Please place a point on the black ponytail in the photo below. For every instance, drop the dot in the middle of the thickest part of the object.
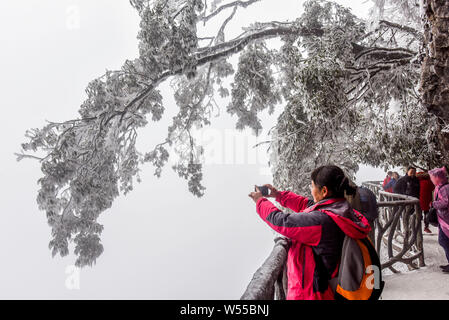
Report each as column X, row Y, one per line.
column 334, row 179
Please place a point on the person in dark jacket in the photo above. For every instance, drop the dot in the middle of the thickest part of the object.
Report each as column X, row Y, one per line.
column 317, row 230
column 408, row 184
column 365, row 202
column 368, row 207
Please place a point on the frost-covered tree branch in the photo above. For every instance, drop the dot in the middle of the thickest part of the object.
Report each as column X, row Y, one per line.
column 234, row 5
column 338, row 80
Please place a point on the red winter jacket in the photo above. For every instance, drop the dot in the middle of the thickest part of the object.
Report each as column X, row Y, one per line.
column 317, row 239
column 426, row 188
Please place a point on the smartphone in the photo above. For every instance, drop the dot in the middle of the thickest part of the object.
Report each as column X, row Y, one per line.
column 265, row 191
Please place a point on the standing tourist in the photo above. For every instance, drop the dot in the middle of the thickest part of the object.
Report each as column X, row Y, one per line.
column 387, row 180
column 441, row 204
column 426, row 188
column 317, row 239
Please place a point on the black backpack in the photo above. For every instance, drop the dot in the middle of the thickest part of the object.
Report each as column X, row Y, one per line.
column 359, row 273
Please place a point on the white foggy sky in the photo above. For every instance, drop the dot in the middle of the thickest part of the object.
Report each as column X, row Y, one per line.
column 160, row 241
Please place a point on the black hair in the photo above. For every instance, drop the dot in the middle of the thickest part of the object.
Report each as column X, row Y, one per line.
column 334, row 179
column 410, row 167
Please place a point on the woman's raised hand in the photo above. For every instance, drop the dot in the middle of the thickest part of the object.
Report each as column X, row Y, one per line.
column 273, row 191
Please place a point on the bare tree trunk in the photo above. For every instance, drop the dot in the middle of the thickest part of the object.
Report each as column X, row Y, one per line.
column 435, row 67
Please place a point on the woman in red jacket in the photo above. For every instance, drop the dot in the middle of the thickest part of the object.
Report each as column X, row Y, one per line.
column 317, row 230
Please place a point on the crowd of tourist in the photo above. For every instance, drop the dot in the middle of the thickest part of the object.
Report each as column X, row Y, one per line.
column 432, row 189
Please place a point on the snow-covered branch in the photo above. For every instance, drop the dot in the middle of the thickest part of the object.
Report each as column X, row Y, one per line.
column 333, row 86
column 234, row 4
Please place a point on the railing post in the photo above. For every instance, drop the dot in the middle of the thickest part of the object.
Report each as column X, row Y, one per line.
column 420, row 240
column 279, row 289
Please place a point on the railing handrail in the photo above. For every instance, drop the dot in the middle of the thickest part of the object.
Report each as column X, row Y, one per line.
column 269, row 278
column 378, row 184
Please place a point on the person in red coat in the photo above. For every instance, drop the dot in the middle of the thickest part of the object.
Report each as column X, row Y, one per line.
column 426, row 188
column 386, row 180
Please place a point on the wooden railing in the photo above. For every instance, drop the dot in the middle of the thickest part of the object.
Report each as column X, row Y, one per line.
column 398, row 228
